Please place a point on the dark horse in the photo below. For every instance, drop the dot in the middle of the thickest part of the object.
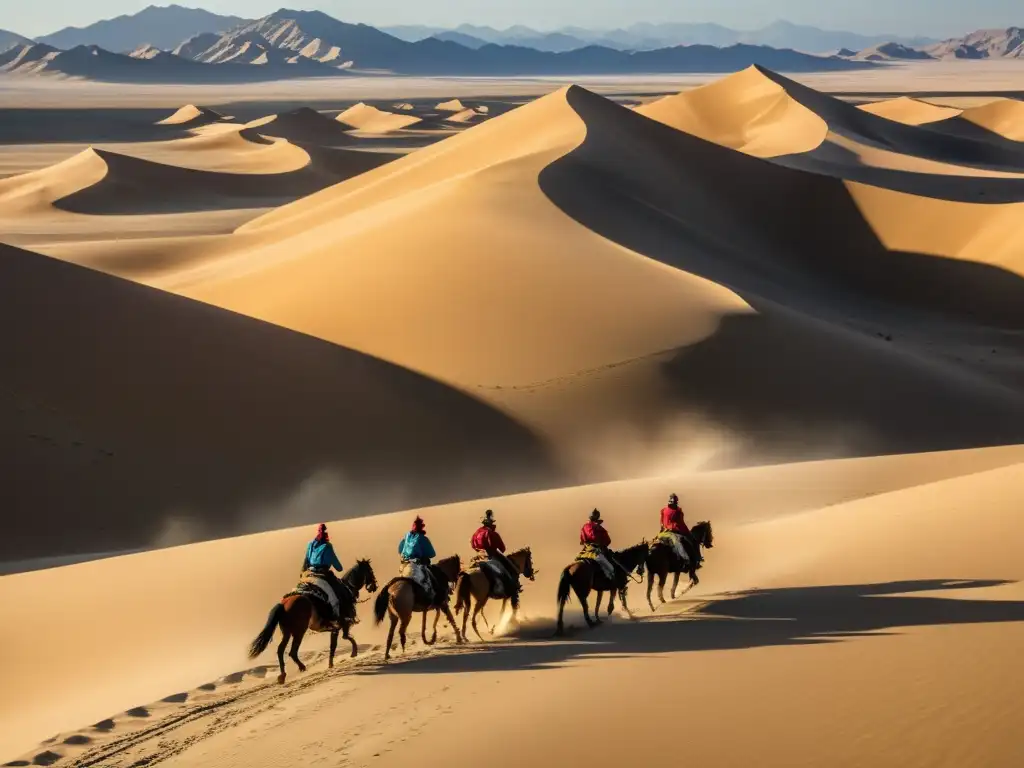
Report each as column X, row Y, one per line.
column 661, row 561
column 584, row 575
column 297, row 613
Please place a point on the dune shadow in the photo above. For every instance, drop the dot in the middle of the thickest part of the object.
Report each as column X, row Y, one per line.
column 753, row 619
column 796, row 248
column 195, row 422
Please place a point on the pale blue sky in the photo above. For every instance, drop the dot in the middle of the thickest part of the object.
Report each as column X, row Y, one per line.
column 936, row 18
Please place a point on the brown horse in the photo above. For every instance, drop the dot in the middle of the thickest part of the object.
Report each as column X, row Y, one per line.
column 297, row 613
column 661, row 561
column 474, row 586
column 584, row 575
column 398, row 598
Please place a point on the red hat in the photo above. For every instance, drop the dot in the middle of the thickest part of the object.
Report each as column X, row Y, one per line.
column 321, row 532
column 418, row 524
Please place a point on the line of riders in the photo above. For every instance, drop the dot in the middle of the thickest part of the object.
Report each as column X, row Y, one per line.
column 324, row 602
column 416, row 553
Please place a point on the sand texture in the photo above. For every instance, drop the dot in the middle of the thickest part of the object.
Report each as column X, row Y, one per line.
column 226, row 323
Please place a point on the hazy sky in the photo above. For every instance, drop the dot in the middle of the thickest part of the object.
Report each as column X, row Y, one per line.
column 907, row 17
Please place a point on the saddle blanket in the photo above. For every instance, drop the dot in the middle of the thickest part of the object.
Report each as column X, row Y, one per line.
column 421, row 576
column 595, row 555
column 495, row 574
column 673, row 542
column 312, row 585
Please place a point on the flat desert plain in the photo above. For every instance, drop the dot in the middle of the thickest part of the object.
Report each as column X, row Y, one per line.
column 229, row 314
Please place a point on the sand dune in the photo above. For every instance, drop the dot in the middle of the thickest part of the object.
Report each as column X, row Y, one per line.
column 191, row 116
column 303, row 126
column 572, row 294
column 363, row 117
column 780, row 531
column 910, row 111
column 100, row 182
column 465, row 116
column 1004, row 117
column 746, row 111
column 453, row 105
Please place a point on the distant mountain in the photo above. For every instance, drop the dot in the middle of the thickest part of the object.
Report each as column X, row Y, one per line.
column 144, row 65
column 461, row 38
column 161, row 27
column 11, row 39
column 413, row 33
column 646, row 36
column 315, row 36
column 892, row 52
column 984, row 44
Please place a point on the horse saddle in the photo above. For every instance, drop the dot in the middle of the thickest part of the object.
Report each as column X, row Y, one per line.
column 674, row 543
column 316, row 586
column 495, row 574
column 421, row 578
column 596, row 556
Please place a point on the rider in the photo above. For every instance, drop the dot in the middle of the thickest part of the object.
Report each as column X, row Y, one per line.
column 416, row 551
column 321, row 557
column 594, row 535
column 682, row 540
column 488, row 540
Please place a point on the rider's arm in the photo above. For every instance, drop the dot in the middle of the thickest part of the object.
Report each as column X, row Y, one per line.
column 334, row 561
column 428, row 548
column 305, row 560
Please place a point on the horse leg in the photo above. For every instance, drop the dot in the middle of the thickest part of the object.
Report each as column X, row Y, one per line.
column 296, row 641
column 402, row 626
column 465, row 616
column 334, row 647
column 662, row 578
column 424, row 630
column 650, row 588
column 581, row 595
column 437, row 618
column 622, row 599
column 391, row 636
column 285, row 637
column 344, row 633
column 675, row 584
column 451, row 620
column 476, row 612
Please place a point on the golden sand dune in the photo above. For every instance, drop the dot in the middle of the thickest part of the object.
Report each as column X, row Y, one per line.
column 363, row 117
column 1004, row 117
column 191, row 116
column 229, row 149
column 465, row 116
column 746, row 111
column 451, row 106
column 567, row 293
column 790, row 551
column 97, row 181
column 910, row 111
column 303, row 126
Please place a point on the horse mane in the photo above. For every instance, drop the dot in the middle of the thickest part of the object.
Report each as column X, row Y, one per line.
column 520, row 551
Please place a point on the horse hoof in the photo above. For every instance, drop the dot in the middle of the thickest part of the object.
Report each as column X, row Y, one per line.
column 280, row 678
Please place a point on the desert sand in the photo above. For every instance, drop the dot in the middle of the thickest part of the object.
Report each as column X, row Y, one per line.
column 229, row 321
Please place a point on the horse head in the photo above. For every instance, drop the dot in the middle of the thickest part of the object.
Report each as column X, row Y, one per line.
column 703, row 535
column 523, row 558
column 632, row 558
column 450, row 567
column 362, row 576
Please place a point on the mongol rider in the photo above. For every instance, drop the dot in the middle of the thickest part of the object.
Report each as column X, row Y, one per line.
column 683, row 543
column 596, row 541
column 416, row 552
column 319, row 560
column 488, row 540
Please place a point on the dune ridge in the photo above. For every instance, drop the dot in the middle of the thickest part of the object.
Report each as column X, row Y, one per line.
column 363, row 117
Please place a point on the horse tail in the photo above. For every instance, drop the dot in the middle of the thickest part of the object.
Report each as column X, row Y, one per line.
column 564, row 587
column 463, row 587
column 259, row 645
column 380, row 605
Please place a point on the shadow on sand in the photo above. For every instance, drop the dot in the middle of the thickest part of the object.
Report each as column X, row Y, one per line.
column 744, row 620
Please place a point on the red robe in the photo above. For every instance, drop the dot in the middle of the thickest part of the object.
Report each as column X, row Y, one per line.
column 486, row 540
column 594, row 533
column 672, row 520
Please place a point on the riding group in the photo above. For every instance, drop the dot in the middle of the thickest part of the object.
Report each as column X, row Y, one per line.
column 323, row 602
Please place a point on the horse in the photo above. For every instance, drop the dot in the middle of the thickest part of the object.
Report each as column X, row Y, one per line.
column 584, row 575
column 399, row 599
column 297, row 613
column 661, row 561
column 474, row 585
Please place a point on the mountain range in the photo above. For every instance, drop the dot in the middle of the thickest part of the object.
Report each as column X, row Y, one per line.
column 289, row 44
column 648, row 36
column 984, row 44
column 10, row 39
